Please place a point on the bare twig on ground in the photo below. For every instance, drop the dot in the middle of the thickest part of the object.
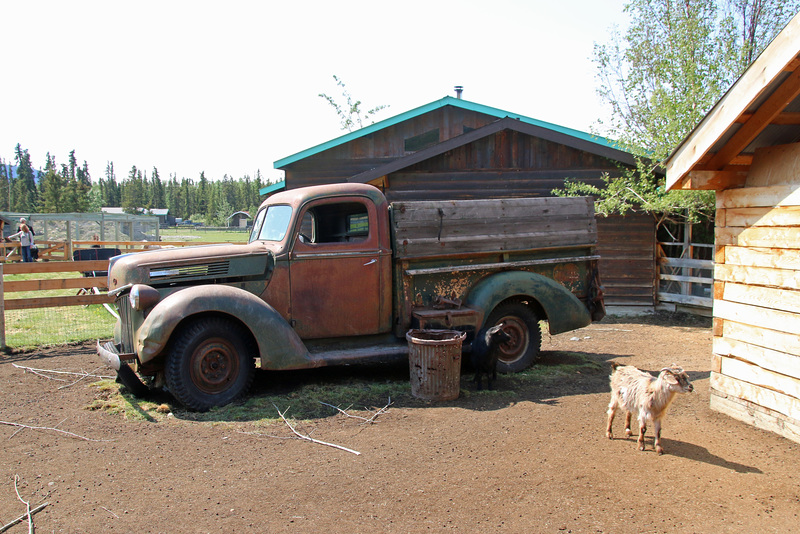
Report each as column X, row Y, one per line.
column 20, row 425
column 109, row 511
column 39, row 372
column 83, row 376
column 22, row 518
column 312, row 440
column 367, row 420
column 28, row 514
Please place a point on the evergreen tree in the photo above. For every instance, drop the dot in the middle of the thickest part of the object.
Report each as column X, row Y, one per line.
column 52, row 184
column 4, row 187
column 24, row 196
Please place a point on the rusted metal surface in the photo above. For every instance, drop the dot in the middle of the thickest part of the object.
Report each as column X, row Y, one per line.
column 434, row 362
column 323, row 272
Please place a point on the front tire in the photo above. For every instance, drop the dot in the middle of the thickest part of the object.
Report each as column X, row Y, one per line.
column 211, row 363
column 522, row 324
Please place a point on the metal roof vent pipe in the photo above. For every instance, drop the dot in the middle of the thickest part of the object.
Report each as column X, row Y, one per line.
column 459, row 90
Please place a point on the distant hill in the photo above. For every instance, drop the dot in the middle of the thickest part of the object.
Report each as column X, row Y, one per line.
column 13, row 169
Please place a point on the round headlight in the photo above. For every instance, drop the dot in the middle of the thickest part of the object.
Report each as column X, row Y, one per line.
column 134, row 297
column 143, row 297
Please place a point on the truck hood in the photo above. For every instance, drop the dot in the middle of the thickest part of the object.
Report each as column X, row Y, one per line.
column 192, row 265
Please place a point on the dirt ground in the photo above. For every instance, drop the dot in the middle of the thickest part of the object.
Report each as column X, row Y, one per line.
column 534, row 461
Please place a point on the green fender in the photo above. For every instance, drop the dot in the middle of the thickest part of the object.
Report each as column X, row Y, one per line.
column 278, row 344
column 564, row 310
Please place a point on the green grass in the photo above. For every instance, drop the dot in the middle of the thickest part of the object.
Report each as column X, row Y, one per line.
column 39, row 327
column 30, row 328
column 358, row 389
column 194, row 234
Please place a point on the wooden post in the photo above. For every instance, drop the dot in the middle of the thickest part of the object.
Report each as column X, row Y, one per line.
column 2, row 310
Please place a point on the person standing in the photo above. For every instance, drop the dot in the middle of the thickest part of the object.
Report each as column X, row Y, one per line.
column 25, row 237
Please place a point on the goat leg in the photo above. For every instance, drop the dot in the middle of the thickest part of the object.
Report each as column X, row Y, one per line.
column 628, row 425
column 642, row 430
column 612, row 410
column 657, row 430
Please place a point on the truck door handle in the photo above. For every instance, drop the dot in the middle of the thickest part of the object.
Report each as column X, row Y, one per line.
column 370, row 262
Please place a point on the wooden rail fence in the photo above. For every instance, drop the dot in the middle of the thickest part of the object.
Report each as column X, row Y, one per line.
column 56, row 257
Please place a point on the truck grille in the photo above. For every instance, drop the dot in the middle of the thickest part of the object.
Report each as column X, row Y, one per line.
column 181, row 272
column 124, row 307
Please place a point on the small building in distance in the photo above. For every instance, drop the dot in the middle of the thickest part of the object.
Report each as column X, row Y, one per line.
column 164, row 217
column 240, row 219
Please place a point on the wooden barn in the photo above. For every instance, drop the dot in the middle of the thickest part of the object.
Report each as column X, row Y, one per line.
column 747, row 149
column 454, row 149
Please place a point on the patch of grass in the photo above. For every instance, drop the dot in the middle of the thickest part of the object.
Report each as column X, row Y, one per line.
column 38, row 327
column 111, row 399
column 357, row 389
column 191, row 233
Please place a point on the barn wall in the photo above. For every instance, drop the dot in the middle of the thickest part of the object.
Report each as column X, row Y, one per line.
column 756, row 352
column 507, row 164
column 627, row 248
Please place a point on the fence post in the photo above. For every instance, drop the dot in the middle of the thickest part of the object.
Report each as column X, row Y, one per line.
column 2, row 310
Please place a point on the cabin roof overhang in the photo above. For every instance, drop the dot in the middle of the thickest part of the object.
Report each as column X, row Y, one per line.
column 544, row 129
column 761, row 109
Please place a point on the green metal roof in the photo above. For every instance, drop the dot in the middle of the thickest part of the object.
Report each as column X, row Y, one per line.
column 446, row 101
column 272, row 188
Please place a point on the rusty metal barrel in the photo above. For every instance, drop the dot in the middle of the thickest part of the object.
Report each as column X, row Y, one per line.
column 434, row 360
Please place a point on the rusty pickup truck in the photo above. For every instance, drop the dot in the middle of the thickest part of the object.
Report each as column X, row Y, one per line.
column 334, row 274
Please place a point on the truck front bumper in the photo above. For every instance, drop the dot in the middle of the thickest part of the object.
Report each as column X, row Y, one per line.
column 110, row 355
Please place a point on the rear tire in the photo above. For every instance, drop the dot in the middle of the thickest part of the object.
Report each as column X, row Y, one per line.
column 522, row 324
column 211, row 363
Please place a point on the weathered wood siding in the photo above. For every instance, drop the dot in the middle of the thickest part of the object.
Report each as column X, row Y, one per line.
column 381, row 147
column 492, row 226
column 507, row 164
column 627, row 248
column 756, row 363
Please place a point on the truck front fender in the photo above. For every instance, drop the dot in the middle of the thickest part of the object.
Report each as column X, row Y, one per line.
column 278, row 344
column 563, row 310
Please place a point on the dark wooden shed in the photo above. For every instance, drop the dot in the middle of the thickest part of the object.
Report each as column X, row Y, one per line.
column 454, row 149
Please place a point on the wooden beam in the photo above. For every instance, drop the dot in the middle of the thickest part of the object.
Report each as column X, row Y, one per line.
column 713, row 180
column 782, row 118
column 781, row 52
column 770, row 109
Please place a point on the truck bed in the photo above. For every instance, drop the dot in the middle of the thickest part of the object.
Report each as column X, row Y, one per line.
column 442, row 228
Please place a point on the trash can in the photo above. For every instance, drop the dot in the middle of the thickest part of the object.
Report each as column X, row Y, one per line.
column 434, row 360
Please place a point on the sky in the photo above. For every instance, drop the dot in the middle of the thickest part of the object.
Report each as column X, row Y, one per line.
column 231, row 87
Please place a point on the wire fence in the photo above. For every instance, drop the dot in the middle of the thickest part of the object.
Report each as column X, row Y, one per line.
column 30, row 328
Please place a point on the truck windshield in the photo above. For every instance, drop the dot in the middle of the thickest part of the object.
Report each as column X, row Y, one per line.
column 271, row 223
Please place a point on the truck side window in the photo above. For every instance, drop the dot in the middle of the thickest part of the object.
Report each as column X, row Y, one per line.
column 347, row 222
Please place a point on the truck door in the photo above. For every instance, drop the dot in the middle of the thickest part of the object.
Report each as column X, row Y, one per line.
column 335, row 270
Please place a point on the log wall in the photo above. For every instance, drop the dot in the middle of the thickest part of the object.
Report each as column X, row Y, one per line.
column 755, row 372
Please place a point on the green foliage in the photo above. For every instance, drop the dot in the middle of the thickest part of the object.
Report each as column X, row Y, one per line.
column 674, row 62
column 68, row 188
column 350, row 114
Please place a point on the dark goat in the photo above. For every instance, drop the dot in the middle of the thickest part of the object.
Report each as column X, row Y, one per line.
column 484, row 360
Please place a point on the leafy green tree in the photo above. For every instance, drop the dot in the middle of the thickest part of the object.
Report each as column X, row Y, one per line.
column 660, row 78
column 350, row 113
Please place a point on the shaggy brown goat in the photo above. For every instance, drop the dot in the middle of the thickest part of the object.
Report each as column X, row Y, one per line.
column 637, row 391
